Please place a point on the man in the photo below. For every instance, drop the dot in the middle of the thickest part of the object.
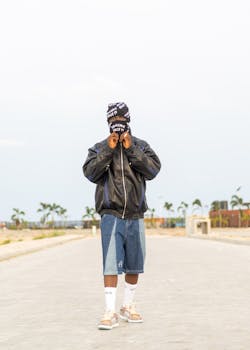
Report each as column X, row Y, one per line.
column 119, row 165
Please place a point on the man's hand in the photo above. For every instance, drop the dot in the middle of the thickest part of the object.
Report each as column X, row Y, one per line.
column 126, row 139
column 113, row 140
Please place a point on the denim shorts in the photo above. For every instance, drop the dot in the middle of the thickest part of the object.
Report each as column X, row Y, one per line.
column 123, row 245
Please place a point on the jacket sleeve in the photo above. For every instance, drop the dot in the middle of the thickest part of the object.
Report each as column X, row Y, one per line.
column 98, row 161
column 144, row 160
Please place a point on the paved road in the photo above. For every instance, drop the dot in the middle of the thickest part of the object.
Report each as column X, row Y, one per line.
column 194, row 296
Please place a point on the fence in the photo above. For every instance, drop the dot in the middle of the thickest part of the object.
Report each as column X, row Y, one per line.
column 230, row 218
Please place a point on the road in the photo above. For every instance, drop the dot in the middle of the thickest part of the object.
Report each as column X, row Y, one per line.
column 195, row 295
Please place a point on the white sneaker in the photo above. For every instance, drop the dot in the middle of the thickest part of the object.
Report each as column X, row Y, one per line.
column 109, row 321
column 129, row 314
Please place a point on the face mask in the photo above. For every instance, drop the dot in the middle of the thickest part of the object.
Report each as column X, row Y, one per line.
column 119, row 127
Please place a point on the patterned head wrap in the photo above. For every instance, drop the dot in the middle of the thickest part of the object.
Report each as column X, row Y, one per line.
column 118, row 109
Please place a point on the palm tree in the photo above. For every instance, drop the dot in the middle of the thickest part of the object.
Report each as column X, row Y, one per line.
column 183, row 208
column 168, row 206
column 45, row 209
column 54, row 209
column 50, row 210
column 196, row 204
column 62, row 213
column 17, row 217
column 247, row 205
column 90, row 213
column 237, row 202
column 215, row 206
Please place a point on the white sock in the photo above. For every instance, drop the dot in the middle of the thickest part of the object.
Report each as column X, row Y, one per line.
column 110, row 298
column 129, row 293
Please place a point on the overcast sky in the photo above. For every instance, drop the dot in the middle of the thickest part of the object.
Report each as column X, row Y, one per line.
column 181, row 66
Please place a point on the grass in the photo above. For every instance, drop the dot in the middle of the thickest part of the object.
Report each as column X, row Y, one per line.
column 49, row 235
column 7, row 241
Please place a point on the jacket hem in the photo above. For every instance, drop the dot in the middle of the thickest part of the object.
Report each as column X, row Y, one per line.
column 119, row 215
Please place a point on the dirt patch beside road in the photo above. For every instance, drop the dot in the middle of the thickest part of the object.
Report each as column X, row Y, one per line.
column 12, row 236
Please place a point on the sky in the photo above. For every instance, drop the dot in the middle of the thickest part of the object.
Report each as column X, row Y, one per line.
column 181, row 66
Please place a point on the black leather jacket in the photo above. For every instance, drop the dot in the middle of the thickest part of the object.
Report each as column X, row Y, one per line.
column 120, row 176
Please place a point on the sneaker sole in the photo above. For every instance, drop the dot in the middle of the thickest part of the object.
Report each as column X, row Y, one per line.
column 135, row 321
column 108, row 328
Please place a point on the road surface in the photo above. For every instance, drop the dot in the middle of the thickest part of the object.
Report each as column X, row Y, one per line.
column 195, row 295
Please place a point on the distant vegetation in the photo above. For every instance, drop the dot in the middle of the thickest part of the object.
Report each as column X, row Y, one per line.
column 50, row 212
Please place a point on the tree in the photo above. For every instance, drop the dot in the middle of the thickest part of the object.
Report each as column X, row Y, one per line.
column 49, row 212
column 215, row 206
column 196, row 204
column 237, row 202
column 62, row 213
column 45, row 209
column 90, row 213
column 247, row 205
column 168, row 206
column 54, row 209
column 17, row 217
column 183, row 209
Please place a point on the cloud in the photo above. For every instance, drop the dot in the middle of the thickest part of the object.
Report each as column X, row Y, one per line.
column 10, row 143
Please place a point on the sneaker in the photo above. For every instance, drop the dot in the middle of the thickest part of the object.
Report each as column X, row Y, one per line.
column 109, row 321
column 129, row 314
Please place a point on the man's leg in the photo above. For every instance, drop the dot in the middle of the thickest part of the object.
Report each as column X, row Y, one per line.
column 134, row 264
column 130, row 287
column 110, row 281
column 110, row 286
column 110, row 318
column 131, row 279
column 127, row 311
column 110, row 271
column 110, row 243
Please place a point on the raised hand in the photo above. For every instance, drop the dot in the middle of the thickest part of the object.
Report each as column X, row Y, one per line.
column 126, row 139
column 113, row 140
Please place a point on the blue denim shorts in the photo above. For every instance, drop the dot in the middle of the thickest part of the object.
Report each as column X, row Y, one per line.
column 123, row 245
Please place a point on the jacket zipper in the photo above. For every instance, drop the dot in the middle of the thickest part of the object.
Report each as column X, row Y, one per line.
column 123, row 182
